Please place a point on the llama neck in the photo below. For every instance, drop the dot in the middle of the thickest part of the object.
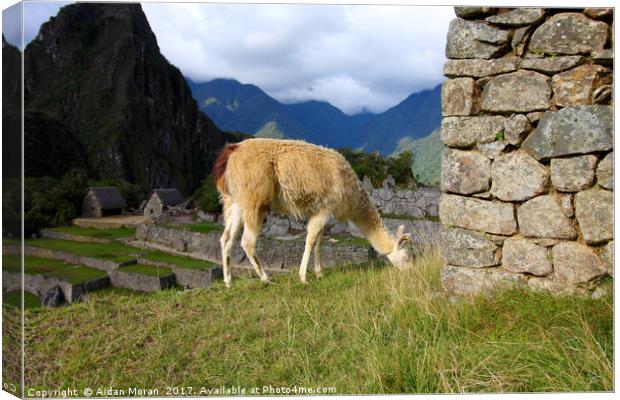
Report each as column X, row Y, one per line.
column 369, row 223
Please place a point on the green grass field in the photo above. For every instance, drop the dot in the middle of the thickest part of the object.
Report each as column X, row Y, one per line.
column 112, row 233
column 14, row 299
column 200, row 227
column 37, row 265
column 179, row 261
column 363, row 329
column 114, row 251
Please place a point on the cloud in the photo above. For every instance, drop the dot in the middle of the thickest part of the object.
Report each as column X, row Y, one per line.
column 355, row 57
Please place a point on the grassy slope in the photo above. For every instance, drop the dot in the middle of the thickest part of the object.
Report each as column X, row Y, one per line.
column 362, row 330
column 37, row 265
column 426, row 157
column 183, row 262
column 109, row 251
column 113, row 233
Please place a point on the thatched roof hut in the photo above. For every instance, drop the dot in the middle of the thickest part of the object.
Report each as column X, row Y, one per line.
column 159, row 199
column 102, row 201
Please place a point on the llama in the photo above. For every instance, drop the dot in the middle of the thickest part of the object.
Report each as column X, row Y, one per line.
column 304, row 181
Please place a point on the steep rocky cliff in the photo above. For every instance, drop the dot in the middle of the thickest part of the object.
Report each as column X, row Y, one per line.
column 95, row 74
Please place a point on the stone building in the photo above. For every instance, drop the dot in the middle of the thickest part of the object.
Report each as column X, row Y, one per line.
column 102, row 201
column 159, row 199
column 527, row 167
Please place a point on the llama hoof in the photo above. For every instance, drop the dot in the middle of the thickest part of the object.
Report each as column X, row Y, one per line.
column 319, row 275
column 228, row 285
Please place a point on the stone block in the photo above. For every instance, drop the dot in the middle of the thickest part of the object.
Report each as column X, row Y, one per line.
column 607, row 256
column 462, row 281
column 576, row 263
column 552, row 65
column 473, row 12
column 569, row 33
column 517, row 176
column 459, row 97
column 468, row 39
column 576, row 86
column 468, row 248
column 464, row 172
column 594, row 210
column 573, row 174
column 492, row 150
column 516, row 128
column 479, row 68
column 598, row 12
column 524, row 256
column 468, row 131
column 605, row 172
column 543, row 217
column 572, row 130
column 521, row 91
column 518, row 17
column 482, row 215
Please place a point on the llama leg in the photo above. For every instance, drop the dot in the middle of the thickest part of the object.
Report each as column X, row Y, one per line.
column 317, row 255
column 231, row 230
column 253, row 222
column 315, row 226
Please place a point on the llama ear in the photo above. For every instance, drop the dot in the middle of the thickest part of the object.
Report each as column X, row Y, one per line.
column 400, row 230
column 404, row 238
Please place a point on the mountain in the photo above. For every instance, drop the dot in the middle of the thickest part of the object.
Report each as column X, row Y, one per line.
column 416, row 116
column 95, row 74
column 426, row 151
column 11, row 112
column 247, row 108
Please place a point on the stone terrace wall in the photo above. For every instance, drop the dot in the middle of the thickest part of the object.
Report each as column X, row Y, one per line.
column 527, row 168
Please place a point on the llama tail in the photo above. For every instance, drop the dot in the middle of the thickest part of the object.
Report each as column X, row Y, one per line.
column 219, row 168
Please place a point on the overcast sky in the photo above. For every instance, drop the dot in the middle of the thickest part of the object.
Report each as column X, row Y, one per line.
column 355, row 57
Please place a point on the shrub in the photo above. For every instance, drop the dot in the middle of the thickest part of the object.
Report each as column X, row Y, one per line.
column 206, row 197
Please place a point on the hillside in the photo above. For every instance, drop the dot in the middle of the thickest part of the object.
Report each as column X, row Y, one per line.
column 426, row 151
column 11, row 113
column 96, row 77
column 247, row 108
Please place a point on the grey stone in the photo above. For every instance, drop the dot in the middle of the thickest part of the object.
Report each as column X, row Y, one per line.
column 594, row 210
column 552, row 65
column 518, row 17
column 516, row 128
column 467, row 39
column 545, row 242
column 602, row 95
column 573, row 174
column 473, row 12
column 479, row 68
column 367, row 184
column 603, row 57
column 517, row 176
column 464, row 172
column 543, row 217
column 605, row 172
column 338, row 228
column 575, row 87
column 524, row 256
column 468, row 131
column 569, row 33
column 462, row 281
column 598, row 12
column 521, row 91
column 477, row 214
column 492, row 150
column 458, row 97
column 573, row 130
column 566, row 202
column 607, row 256
column 519, row 39
column 468, row 248
column 535, row 116
column 576, row 263
column 53, row 297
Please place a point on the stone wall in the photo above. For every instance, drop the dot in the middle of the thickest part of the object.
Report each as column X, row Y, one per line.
column 527, row 168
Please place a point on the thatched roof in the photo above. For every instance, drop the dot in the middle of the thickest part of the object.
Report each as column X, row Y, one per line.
column 168, row 197
column 108, row 197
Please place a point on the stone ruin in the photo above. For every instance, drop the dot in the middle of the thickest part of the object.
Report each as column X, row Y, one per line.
column 527, row 167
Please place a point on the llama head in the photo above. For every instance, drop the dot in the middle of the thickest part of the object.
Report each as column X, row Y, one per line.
column 400, row 256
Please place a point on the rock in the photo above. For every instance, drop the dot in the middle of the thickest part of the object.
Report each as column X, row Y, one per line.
column 545, row 242
column 477, row 214
column 607, row 256
column 522, row 255
column 603, row 57
column 573, row 130
column 521, row 91
column 543, row 217
column 479, row 68
column 576, row 263
column 594, row 210
column 517, row 176
column 473, row 12
column 462, row 281
column 468, row 131
column 519, row 39
column 464, row 172
column 367, row 184
column 458, row 97
column 575, row 87
column 338, row 228
column 467, row 39
column 468, row 248
column 598, row 12
column 569, row 33
column 599, row 293
column 566, row 202
column 550, row 284
column 516, row 128
column 517, row 17
column 492, row 150
column 605, row 172
column 552, row 65
column 53, row 297
column 573, row 174
column 602, row 95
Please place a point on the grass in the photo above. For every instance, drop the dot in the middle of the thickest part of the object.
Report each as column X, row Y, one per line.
column 14, row 299
column 113, row 233
column 37, row 265
column 113, row 251
column 179, row 261
column 363, row 329
column 146, row 270
column 200, row 227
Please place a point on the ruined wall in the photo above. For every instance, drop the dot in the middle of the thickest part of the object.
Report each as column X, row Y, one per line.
column 527, row 168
